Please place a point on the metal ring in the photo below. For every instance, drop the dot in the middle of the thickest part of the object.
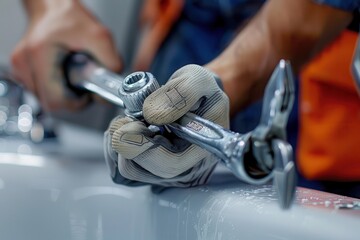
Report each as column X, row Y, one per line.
column 134, row 82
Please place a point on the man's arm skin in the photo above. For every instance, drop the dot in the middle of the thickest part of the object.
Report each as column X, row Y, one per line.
column 294, row 30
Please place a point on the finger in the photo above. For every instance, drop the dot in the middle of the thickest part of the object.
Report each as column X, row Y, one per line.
column 185, row 88
column 109, row 154
column 156, row 154
column 103, row 48
column 118, row 122
column 166, row 164
column 130, row 170
column 47, row 77
column 216, row 108
column 21, row 68
column 76, row 104
column 197, row 175
column 132, row 139
column 96, row 40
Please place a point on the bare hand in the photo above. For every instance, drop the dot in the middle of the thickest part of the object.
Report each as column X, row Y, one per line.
column 52, row 33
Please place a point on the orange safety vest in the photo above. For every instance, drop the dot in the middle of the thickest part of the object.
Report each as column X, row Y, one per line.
column 329, row 133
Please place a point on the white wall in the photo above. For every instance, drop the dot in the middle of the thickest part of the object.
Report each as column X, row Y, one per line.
column 12, row 26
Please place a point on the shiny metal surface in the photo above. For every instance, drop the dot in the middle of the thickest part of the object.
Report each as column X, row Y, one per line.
column 257, row 156
column 19, row 111
column 253, row 164
column 356, row 66
column 135, row 89
column 82, row 73
column 61, row 190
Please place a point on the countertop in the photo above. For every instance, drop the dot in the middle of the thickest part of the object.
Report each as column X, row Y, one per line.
column 61, row 189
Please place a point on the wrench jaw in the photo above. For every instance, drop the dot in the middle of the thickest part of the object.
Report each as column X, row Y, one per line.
column 271, row 156
column 284, row 173
column 277, row 103
column 243, row 162
column 260, row 162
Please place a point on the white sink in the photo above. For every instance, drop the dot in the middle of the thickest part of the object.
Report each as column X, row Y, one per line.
column 61, row 190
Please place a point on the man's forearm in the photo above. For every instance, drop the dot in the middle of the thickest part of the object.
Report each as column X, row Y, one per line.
column 294, row 30
column 240, row 65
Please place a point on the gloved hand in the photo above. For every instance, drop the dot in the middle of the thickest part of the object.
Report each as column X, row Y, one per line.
column 136, row 154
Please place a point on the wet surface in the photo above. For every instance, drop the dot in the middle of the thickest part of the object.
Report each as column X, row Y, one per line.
column 61, row 190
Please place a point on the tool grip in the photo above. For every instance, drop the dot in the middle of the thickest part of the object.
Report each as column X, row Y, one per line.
column 83, row 74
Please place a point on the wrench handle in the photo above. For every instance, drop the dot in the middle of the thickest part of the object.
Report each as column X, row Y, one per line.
column 206, row 134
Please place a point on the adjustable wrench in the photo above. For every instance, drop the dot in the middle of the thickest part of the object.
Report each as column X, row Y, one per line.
column 255, row 157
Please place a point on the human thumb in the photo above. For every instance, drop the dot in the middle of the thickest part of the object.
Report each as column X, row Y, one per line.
column 182, row 93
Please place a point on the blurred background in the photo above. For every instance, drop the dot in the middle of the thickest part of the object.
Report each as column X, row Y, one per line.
column 118, row 16
column 12, row 26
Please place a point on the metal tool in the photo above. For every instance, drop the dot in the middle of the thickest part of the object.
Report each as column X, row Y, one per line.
column 19, row 115
column 354, row 205
column 255, row 157
column 356, row 65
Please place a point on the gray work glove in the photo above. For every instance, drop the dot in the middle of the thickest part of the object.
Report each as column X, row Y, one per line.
column 135, row 154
